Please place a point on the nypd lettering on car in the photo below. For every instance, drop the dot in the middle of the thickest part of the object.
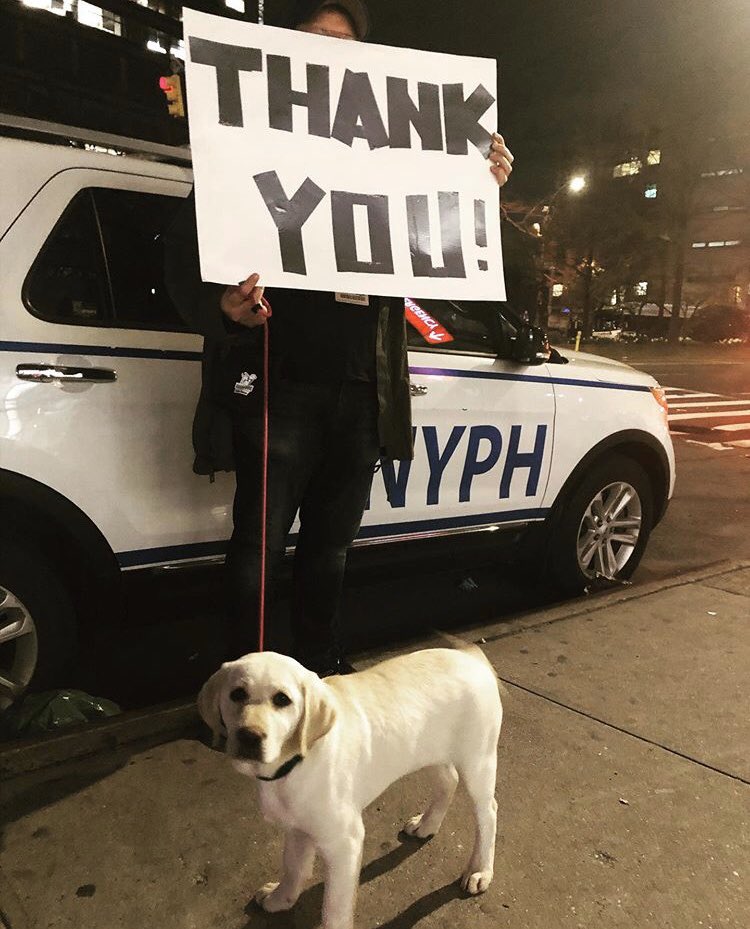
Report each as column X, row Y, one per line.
column 477, row 451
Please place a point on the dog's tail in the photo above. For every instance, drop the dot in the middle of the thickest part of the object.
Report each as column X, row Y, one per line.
column 472, row 648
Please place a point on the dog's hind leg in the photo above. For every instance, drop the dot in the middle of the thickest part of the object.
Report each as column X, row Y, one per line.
column 445, row 780
column 299, row 856
column 480, row 779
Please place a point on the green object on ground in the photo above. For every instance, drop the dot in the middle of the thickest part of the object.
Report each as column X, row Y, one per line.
column 54, row 710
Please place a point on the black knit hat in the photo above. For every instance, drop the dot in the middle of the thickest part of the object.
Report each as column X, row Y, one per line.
column 305, row 10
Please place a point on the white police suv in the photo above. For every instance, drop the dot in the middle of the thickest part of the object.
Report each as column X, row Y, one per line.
column 98, row 383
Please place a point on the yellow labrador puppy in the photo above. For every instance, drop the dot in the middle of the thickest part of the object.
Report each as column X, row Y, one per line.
column 322, row 750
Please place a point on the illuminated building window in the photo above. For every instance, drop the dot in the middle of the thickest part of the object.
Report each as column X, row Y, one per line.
column 641, row 288
column 723, row 244
column 728, row 209
column 654, row 157
column 723, row 172
column 154, row 44
column 557, row 290
column 650, row 192
column 90, row 15
column 87, row 14
column 53, row 6
column 699, row 244
column 178, row 50
column 238, row 5
column 627, row 168
column 613, row 298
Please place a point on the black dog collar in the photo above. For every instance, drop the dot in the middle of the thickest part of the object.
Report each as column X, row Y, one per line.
column 283, row 770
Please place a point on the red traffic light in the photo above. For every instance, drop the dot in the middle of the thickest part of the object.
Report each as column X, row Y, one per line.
column 171, row 84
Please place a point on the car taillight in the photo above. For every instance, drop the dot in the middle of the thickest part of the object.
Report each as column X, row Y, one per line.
column 659, row 394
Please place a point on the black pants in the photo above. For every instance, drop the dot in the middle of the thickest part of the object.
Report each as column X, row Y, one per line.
column 323, row 447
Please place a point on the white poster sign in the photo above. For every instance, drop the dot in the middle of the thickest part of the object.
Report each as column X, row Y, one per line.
column 334, row 165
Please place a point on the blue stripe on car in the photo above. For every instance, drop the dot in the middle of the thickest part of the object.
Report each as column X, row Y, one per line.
column 44, row 348
column 532, row 378
column 100, row 351
column 141, row 557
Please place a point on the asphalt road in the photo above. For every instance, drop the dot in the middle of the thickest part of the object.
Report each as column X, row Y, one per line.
column 171, row 653
column 709, row 396
column 718, row 368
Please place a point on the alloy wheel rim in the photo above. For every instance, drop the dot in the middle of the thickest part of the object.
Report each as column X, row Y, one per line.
column 609, row 531
column 18, row 647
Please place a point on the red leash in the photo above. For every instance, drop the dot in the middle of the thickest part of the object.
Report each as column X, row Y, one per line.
column 264, row 493
column 264, row 480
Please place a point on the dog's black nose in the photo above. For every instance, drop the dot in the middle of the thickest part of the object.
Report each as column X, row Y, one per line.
column 250, row 744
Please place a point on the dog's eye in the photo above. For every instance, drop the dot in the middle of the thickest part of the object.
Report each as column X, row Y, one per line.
column 238, row 695
column 280, row 699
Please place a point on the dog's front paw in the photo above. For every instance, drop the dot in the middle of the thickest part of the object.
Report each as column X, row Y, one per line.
column 419, row 827
column 269, row 898
column 476, row 882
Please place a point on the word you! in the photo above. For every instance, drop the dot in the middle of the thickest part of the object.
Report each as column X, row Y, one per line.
column 443, row 116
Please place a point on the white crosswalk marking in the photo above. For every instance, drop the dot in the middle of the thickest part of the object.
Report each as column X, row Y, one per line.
column 680, row 393
column 732, row 427
column 713, row 414
column 687, row 404
column 699, row 418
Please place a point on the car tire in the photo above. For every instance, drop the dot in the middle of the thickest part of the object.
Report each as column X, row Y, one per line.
column 37, row 622
column 588, row 547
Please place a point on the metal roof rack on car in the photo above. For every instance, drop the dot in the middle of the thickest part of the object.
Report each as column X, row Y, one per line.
column 59, row 134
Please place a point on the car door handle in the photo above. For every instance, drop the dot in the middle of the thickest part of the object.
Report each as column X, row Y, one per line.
column 47, row 374
column 417, row 390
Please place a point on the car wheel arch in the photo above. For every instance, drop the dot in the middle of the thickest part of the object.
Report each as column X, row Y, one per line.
column 43, row 517
column 633, row 443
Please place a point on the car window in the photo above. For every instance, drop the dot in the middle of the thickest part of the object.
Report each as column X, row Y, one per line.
column 102, row 264
column 67, row 282
column 132, row 226
column 448, row 326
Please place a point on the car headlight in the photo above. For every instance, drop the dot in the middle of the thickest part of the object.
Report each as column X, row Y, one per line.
column 660, row 395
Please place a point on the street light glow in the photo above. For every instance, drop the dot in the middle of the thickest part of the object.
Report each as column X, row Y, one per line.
column 576, row 184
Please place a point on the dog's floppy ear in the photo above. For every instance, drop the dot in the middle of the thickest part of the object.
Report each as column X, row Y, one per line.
column 208, row 705
column 318, row 713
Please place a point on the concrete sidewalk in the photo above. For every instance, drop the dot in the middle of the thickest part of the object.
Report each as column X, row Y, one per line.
column 624, row 797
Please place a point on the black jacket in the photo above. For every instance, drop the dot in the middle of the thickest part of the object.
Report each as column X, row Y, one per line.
column 229, row 349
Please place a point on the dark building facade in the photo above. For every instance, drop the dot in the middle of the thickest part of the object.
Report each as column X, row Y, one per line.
column 98, row 66
column 718, row 259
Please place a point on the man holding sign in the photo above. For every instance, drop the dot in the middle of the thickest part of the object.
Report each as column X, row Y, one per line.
column 280, row 124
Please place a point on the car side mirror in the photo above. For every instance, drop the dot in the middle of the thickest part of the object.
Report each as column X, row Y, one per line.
column 530, row 345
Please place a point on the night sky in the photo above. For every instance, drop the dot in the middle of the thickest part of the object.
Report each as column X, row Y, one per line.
column 564, row 67
column 564, row 64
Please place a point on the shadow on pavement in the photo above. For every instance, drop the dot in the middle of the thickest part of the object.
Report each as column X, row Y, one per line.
column 34, row 792
column 425, row 906
column 306, row 912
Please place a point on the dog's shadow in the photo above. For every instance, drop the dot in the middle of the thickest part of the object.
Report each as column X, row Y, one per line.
column 306, row 912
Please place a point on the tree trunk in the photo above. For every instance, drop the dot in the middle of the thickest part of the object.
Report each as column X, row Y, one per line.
column 662, row 299
column 587, row 321
column 675, row 322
